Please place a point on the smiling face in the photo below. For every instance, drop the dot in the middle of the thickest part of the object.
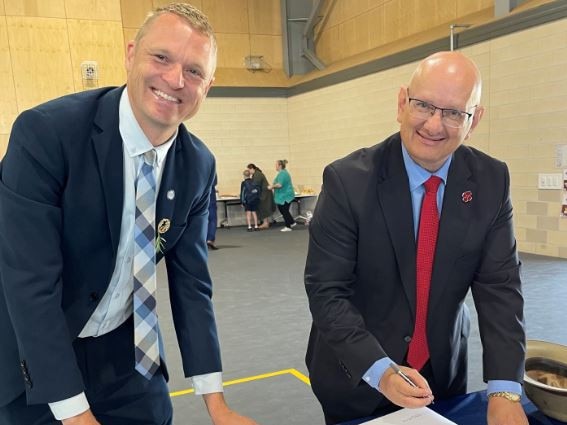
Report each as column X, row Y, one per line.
column 446, row 80
column 170, row 71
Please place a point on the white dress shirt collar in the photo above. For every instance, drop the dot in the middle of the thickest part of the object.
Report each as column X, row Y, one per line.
column 135, row 141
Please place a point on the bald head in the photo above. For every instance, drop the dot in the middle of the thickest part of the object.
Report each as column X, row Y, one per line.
column 453, row 67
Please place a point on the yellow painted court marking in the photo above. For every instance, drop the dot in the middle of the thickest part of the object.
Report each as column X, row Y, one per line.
column 294, row 372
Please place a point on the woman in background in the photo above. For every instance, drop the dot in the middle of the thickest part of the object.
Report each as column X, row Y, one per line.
column 267, row 205
column 283, row 193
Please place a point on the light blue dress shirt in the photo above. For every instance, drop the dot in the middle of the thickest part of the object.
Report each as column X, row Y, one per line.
column 417, row 176
column 116, row 304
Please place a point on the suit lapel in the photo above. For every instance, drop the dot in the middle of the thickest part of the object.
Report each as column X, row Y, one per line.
column 453, row 225
column 169, row 190
column 107, row 144
column 395, row 202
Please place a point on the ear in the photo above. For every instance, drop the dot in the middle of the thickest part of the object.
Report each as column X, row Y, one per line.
column 129, row 59
column 402, row 102
column 209, row 86
column 478, row 114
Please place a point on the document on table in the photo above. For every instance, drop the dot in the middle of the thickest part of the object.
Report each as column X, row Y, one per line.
column 421, row 416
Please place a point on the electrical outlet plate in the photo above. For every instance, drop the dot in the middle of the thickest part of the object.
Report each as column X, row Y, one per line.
column 89, row 70
column 550, row 181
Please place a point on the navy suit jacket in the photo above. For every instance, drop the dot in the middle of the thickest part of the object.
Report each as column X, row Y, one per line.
column 61, row 200
column 360, row 276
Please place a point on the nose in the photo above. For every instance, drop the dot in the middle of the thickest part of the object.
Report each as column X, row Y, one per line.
column 435, row 121
column 174, row 76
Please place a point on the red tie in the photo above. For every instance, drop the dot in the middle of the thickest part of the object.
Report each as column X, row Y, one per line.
column 418, row 353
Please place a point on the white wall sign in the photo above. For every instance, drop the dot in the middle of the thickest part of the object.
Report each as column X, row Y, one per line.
column 561, row 156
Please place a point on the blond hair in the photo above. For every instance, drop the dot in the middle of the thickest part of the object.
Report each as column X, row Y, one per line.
column 196, row 19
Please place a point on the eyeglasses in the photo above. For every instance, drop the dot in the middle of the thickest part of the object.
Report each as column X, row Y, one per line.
column 450, row 117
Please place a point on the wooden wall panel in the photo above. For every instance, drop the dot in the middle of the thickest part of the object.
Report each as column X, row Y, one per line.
column 353, row 8
column 129, row 34
column 43, row 8
column 353, row 34
column 376, row 19
column 433, row 13
column 269, row 46
column 364, row 25
column 399, row 20
column 265, row 17
column 3, row 144
column 134, row 12
column 104, row 10
column 41, row 63
column 227, row 16
column 100, row 41
column 233, row 48
column 329, row 48
column 332, row 13
column 344, row 10
column 8, row 104
column 464, row 7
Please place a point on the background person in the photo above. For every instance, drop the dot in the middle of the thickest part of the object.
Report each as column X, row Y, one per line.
column 250, row 198
column 389, row 265
column 267, row 205
column 68, row 215
column 284, row 193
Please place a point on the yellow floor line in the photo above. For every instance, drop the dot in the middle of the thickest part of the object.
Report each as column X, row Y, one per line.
column 300, row 376
column 293, row 372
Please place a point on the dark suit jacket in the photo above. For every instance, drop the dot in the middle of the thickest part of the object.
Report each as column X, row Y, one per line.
column 360, row 276
column 61, row 198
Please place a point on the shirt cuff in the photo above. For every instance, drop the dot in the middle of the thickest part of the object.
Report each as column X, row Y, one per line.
column 207, row 383
column 373, row 375
column 496, row 386
column 69, row 407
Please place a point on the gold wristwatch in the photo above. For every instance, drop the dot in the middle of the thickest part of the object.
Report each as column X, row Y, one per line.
column 507, row 395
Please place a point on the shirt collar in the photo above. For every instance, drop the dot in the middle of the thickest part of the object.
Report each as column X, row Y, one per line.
column 135, row 141
column 418, row 175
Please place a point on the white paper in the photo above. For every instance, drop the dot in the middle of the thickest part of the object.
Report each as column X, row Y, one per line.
column 421, row 416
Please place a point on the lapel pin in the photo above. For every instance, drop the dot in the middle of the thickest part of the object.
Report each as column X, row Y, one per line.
column 163, row 226
column 171, row 194
column 466, row 196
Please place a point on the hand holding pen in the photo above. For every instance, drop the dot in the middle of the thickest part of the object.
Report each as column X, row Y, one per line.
column 410, row 391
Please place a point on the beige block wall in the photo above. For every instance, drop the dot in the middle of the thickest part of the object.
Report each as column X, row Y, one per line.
column 525, row 87
column 240, row 131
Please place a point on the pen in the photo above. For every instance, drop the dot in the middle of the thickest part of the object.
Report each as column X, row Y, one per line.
column 402, row 375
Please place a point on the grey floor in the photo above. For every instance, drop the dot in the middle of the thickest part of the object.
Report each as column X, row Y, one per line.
column 264, row 322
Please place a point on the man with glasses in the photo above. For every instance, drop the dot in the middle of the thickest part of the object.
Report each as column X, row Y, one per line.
column 401, row 232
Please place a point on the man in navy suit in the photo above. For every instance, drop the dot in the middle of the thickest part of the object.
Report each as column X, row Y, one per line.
column 361, row 271
column 67, row 208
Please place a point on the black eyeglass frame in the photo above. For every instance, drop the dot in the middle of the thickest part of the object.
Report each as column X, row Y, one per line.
column 468, row 114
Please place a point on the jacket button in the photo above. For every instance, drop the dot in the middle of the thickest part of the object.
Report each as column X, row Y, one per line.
column 407, row 338
column 93, row 296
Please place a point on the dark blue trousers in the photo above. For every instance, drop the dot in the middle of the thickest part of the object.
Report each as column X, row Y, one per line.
column 212, row 228
column 117, row 394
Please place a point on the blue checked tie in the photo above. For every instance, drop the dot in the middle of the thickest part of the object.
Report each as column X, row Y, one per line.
column 144, row 271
